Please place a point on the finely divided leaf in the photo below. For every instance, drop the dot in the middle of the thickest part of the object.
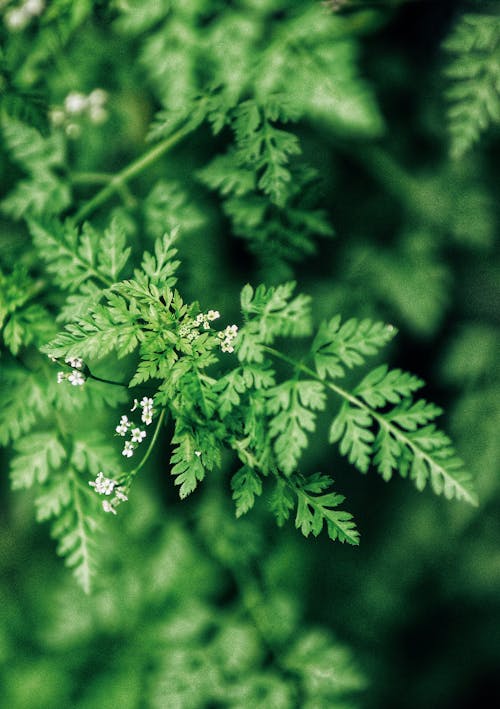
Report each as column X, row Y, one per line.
column 187, row 462
column 352, row 428
column 292, row 406
column 281, row 501
column 37, row 454
column 246, row 485
column 339, row 347
column 316, row 508
column 270, row 313
column 382, row 386
column 161, row 266
column 113, row 253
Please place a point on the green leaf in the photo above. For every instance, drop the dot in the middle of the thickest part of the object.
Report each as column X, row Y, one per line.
column 474, row 92
column 269, row 313
column 29, row 148
column 103, row 330
column 314, row 510
column 113, row 253
column 24, row 401
column 326, row 668
column 410, row 415
column 187, row 461
column 36, row 455
column 291, row 405
column 281, row 501
column 337, row 347
column 351, row 427
column 71, row 257
column 265, row 148
column 75, row 528
column 55, row 497
column 161, row 266
column 246, row 485
column 382, row 386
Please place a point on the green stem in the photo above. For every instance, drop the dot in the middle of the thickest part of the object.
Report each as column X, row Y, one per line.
column 132, row 170
column 134, row 472
column 105, row 381
column 91, row 178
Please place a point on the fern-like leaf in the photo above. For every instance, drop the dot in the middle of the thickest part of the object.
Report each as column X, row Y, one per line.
column 316, row 509
column 269, row 313
column 292, row 405
column 474, row 94
column 246, row 485
column 338, row 347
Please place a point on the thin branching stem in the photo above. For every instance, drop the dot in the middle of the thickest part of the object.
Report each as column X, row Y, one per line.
column 130, row 171
column 134, row 472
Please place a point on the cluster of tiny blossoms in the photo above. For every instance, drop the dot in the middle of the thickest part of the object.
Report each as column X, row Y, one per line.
column 137, row 434
column 17, row 18
column 191, row 329
column 226, row 337
column 108, row 487
column 76, row 106
column 76, row 377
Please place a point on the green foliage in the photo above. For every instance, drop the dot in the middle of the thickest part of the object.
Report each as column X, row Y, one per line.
column 183, row 410
column 474, row 93
column 315, row 509
column 42, row 192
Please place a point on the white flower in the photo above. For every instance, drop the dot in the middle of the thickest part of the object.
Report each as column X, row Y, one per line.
column 213, row 314
column 34, row 7
column 147, row 416
column 57, row 117
column 197, row 453
column 138, row 435
column 73, row 130
column 128, row 450
column 123, row 426
column 108, row 507
column 98, row 115
column 120, row 495
column 17, row 19
column 75, row 362
column 76, row 378
column 61, row 376
column 227, row 336
column 97, row 98
column 103, row 485
column 75, row 102
column 146, row 402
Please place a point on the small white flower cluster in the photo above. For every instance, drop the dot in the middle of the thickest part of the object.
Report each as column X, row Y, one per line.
column 76, row 377
column 190, row 329
column 137, row 435
column 108, row 486
column 227, row 336
column 20, row 17
column 204, row 319
column 78, row 105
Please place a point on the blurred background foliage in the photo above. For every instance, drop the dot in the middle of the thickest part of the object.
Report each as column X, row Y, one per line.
column 192, row 607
